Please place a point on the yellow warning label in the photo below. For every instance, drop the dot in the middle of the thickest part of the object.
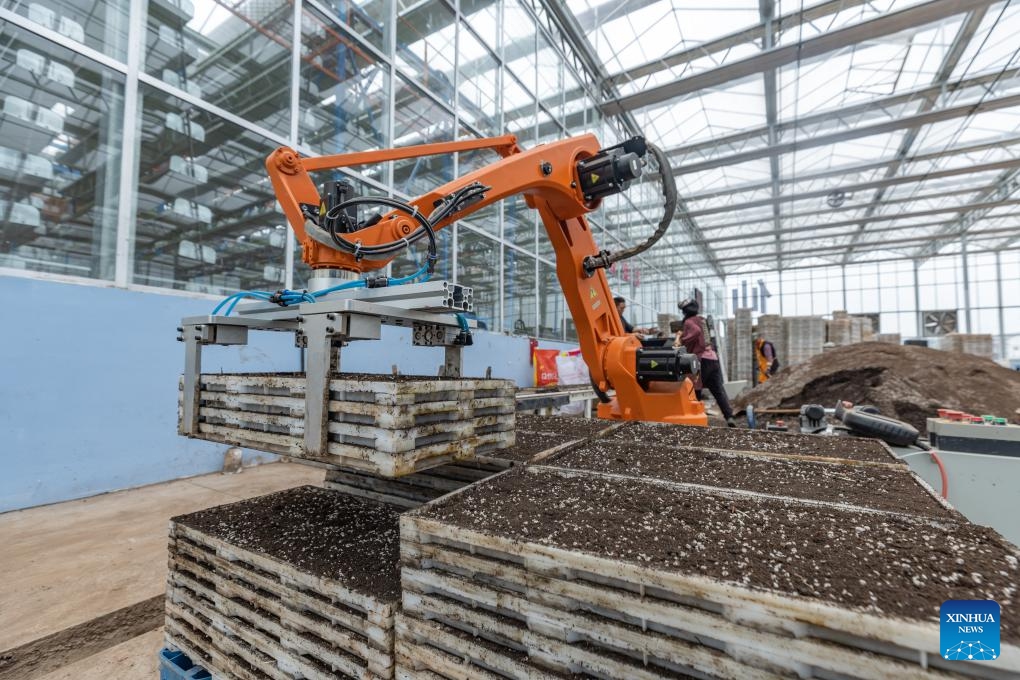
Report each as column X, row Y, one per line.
column 594, row 178
column 592, row 294
column 653, row 363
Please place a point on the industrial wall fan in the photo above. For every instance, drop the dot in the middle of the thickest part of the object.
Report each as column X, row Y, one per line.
column 939, row 322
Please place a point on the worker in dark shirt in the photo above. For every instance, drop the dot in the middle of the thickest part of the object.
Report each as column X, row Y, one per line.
column 621, row 305
column 694, row 338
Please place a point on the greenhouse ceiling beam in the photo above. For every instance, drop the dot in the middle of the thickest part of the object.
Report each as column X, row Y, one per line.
column 842, row 171
column 1005, row 186
column 983, row 205
column 894, row 125
column 912, row 240
column 975, row 205
column 852, row 208
column 767, row 12
column 862, row 186
column 952, row 58
column 881, row 26
column 907, row 257
column 576, row 38
column 1000, row 143
column 742, row 37
column 589, row 19
column 870, row 107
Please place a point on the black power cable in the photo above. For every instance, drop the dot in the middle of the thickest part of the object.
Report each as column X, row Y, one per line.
column 331, row 221
column 445, row 207
column 669, row 194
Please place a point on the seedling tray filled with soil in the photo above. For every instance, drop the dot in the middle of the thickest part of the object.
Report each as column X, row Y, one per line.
column 302, row 583
column 647, row 568
column 384, row 424
column 879, row 487
column 581, row 428
column 733, row 439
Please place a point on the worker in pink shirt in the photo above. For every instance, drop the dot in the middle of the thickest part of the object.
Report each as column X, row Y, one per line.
column 694, row 338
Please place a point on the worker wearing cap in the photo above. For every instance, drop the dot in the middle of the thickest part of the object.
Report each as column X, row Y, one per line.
column 694, row 338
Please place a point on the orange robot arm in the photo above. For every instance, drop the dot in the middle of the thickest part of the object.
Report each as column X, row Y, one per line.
column 554, row 180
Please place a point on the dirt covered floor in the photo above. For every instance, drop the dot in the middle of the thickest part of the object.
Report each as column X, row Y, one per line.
column 908, row 383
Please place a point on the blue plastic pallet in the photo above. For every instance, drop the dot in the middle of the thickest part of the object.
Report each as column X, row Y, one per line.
column 174, row 665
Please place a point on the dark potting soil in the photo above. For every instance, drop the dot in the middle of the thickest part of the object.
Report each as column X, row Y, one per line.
column 324, row 533
column 528, row 444
column 735, row 439
column 882, row 563
column 868, row 486
column 580, row 427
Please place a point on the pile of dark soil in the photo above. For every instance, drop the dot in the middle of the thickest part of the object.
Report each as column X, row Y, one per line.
column 879, row 562
column 759, row 441
column 905, row 382
column 324, row 533
column 580, row 427
column 867, row 486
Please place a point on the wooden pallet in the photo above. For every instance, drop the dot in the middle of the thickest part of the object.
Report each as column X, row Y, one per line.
column 379, row 426
column 413, row 490
column 459, row 577
column 227, row 606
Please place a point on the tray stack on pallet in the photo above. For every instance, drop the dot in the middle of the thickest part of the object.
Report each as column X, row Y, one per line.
column 385, row 425
column 978, row 344
column 302, row 583
column 805, row 336
column 849, row 450
column 587, row 565
column 838, row 332
column 536, row 437
column 741, row 353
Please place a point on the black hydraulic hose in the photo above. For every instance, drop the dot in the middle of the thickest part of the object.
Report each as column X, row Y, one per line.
column 669, row 193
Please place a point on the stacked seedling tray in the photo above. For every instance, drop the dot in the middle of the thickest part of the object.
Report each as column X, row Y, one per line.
column 302, row 583
column 536, row 438
column 616, row 561
column 381, row 424
column 846, row 449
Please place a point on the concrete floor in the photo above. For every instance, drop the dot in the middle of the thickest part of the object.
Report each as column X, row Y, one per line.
column 68, row 563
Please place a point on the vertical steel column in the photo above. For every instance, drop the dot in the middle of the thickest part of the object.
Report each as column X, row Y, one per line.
column 290, row 243
column 129, row 154
column 1002, row 322
column 966, row 282
column 842, row 269
column 918, row 321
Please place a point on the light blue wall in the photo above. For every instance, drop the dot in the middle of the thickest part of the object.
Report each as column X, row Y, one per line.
column 88, row 394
